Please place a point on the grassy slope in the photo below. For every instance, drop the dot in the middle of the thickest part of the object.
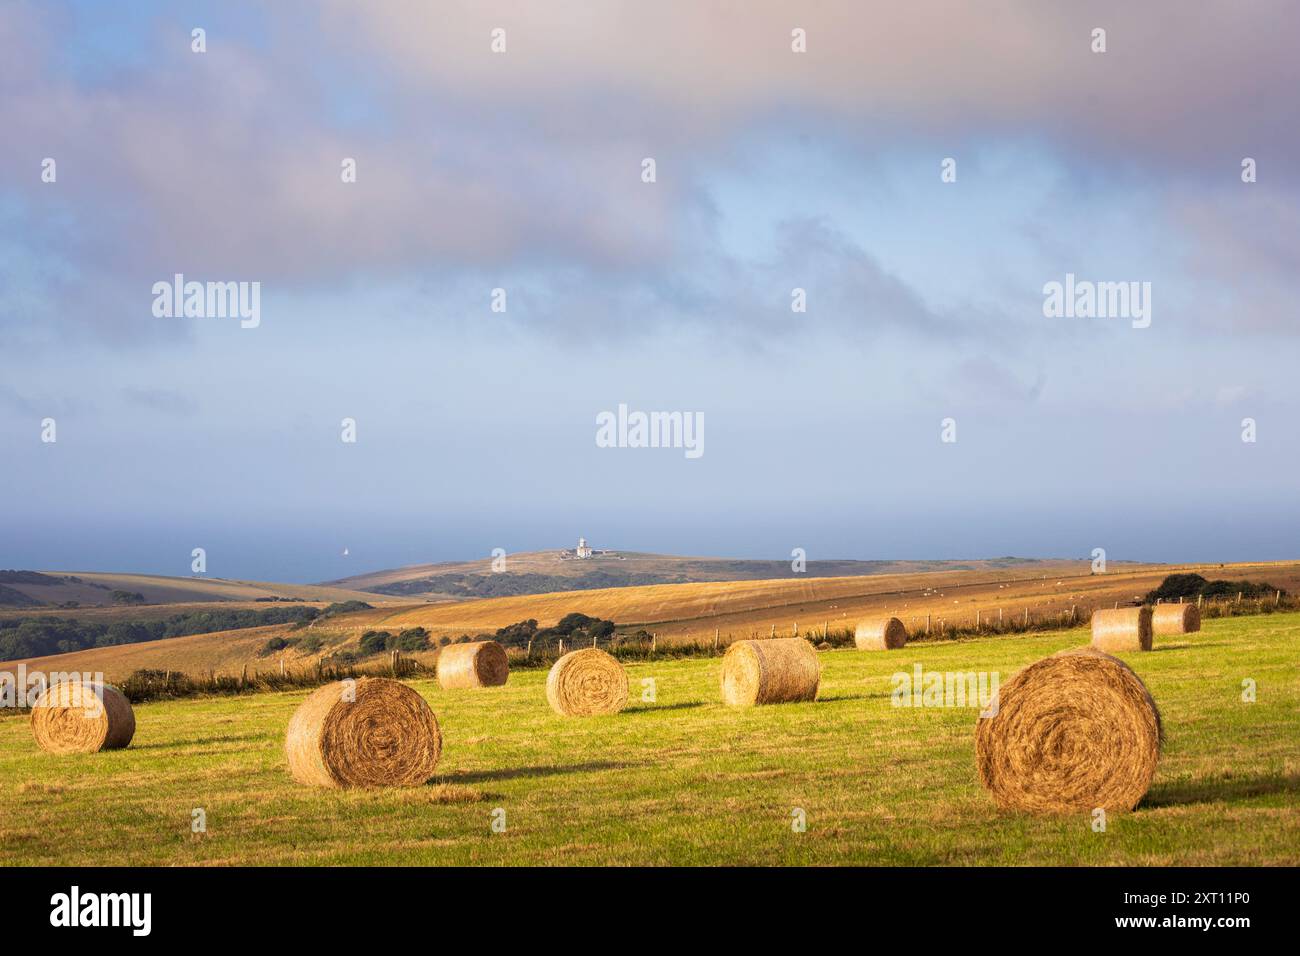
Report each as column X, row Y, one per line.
column 742, row 607
column 686, row 568
column 161, row 589
column 677, row 612
column 686, row 780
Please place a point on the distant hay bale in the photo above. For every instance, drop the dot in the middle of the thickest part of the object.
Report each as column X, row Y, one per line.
column 475, row 664
column 586, row 683
column 372, row 732
column 1070, row 733
column 880, row 634
column 775, row 671
column 82, row 717
column 1122, row 629
column 1175, row 619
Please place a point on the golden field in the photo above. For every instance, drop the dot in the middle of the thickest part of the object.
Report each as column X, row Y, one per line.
column 696, row 611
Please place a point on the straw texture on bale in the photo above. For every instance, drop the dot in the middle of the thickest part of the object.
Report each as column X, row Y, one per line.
column 586, row 683
column 880, row 634
column 1070, row 733
column 476, row 664
column 1175, row 619
column 1122, row 629
column 81, row 717
column 775, row 671
column 382, row 734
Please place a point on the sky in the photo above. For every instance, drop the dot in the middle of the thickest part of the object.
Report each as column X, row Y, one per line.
column 523, row 170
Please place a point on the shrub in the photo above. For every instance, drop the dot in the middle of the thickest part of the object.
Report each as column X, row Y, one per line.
column 343, row 607
column 518, row 634
column 277, row 644
column 413, row 639
column 1185, row 586
column 372, row 642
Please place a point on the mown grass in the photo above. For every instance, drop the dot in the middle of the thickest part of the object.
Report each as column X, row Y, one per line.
column 685, row 780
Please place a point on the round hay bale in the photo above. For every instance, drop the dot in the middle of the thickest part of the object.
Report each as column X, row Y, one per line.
column 373, row 732
column 1070, row 733
column 1175, row 619
column 880, row 634
column 1122, row 629
column 475, row 664
column 775, row 671
column 82, row 717
column 586, row 683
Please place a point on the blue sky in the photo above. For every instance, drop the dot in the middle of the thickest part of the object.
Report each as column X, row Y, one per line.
column 522, row 171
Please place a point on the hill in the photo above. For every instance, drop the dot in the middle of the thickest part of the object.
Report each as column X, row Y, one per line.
column 541, row 572
column 54, row 589
column 683, row 612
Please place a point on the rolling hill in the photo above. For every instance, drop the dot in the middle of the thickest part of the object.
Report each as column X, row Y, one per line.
column 694, row 611
column 89, row 589
column 541, row 572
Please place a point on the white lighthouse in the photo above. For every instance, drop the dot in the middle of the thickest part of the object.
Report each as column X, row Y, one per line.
column 583, row 550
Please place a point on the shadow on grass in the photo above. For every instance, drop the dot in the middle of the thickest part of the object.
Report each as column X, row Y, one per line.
column 651, row 708
column 1213, row 791
column 550, row 770
column 884, row 695
column 1189, row 645
column 199, row 741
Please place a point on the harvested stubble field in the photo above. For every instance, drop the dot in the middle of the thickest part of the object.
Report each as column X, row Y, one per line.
column 689, row 613
column 686, row 780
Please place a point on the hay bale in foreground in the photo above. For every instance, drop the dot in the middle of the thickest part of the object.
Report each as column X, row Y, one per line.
column 880, row 634
column 372, row 732
column 474, row 664
column 82, row 717
column 586, row 683
column 1070, row 733
column 775, row 671
column 1122, row 629
column 1175, row 619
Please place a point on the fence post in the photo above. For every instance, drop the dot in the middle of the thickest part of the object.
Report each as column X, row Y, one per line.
column 528, row 654
column 927, row 624
column 715, row 640
column 561, row 647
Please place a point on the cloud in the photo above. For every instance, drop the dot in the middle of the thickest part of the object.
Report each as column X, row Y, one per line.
column 473, row 166
column 944, row 66
column 165, row 400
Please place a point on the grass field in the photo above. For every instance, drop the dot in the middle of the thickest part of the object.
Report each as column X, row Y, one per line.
column 685, row 780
